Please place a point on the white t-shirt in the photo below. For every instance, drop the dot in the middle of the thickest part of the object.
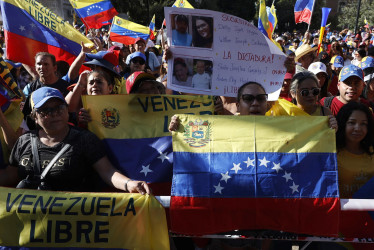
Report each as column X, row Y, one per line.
column 201, row 81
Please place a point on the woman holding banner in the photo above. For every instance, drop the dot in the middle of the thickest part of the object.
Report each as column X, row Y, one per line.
column 79, row 152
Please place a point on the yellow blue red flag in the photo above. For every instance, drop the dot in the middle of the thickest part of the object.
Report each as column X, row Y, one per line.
column 94, row 13
column 267, row 21
column 325, row 16
column 124, row 31
column 31, row 218
column 134, row 128
column 34, row 28
column 182, row 4
column 152, row 28
column 254, row 172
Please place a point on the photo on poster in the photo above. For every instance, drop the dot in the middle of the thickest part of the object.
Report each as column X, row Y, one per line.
column 202, row 77
column 181, row 30
column 202, row 36
column 183, row 71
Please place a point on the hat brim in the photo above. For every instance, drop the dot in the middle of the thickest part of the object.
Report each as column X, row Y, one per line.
column 303, row 53
column 103, row 64
column 354, row 74
column 45, row 99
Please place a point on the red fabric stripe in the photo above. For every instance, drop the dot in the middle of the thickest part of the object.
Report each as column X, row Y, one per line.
column 303, row 16
column 199, row 216
column 121, row 38
column 96, row 21
column 29, row 48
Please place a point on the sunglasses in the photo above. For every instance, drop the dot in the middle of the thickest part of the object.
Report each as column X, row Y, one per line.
column 259, row 98
column 141, row 62
column 51, row 110
column 315, row 92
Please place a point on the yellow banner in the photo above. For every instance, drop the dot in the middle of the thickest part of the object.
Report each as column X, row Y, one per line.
column 34, row 218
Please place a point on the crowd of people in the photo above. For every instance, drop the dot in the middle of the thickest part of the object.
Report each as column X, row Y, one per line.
column 336, row 80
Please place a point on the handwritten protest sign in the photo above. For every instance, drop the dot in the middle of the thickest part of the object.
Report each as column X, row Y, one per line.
column 102, row 220
column 215, row 53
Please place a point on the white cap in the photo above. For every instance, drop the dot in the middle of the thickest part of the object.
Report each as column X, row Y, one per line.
column 279, row 38
column 317, row 67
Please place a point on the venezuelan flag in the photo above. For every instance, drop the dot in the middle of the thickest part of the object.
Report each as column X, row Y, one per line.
column 31, row 28
column 124, row 31
column 182, row 4
column 254, row 172
column 325, row 16
column 152, row 28
column 303, row 11
column 134, row 128
column 264, row 25
column 94, row 13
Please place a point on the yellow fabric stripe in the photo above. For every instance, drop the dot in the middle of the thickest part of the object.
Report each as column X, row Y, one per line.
column 140, row 116
column 78, row 4
column 287, row 134
column 126, row 24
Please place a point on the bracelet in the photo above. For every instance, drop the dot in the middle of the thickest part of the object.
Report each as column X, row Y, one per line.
column 126, row 189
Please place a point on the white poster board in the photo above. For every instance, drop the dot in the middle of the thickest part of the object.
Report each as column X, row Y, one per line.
column 215, row 53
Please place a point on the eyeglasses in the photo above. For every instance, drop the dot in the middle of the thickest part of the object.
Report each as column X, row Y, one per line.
column 259, row 98
column 315, row 92
column 141, row 62
column 57, row 110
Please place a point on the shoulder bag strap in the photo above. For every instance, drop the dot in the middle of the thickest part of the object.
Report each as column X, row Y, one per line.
column 49, row 166
column 35, row 152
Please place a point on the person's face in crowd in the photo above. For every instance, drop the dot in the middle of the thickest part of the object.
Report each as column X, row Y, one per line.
column 98, row 85
column 53, row 115
column 357, row 56
column 334, row 48
column 247, row 105
column 350, row 89
column 203, row 28
column 307, row 59
column 140, row 46
column 44, row 67
column 181, row 26
column 356, row 127
column 295, row 45
column 137, row 64
column 148, row 87
column 286, row 86
column 307, row 93
column 336, row 69
column 132, row 48
column 316, row 40
column 124, row 52
column 200, row 67
column 281, row 42
column 181, row 72
column 321, row 79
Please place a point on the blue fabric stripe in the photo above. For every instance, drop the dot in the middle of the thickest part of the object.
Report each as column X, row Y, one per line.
column 20, row 22
column 126, row 32
column 130, row 155
column 195, row 175
column 95, row 8
column 300, row 5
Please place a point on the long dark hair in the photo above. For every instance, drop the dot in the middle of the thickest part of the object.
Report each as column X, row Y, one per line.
column 342, row 117
column 199, row 41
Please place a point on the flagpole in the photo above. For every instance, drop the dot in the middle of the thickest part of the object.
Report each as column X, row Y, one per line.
column 310, row 21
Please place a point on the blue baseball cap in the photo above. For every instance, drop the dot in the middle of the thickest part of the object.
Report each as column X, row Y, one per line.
column 43, row 94
column 367, row 62
column 350, row 70
column 137, row 54
column 339, row 62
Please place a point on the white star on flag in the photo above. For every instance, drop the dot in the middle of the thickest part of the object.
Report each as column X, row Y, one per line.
column 264, row 162
column 294, row 187
column 225, row 177
column 218, row 188
column 277, row 167
column 250, row 162
column 146, row 170
column 32, row 25
column 236, row 168
column 22, row 28
column 287, row 176
column 163, row 156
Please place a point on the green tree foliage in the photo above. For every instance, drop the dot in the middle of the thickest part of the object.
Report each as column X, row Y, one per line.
column 347, row 17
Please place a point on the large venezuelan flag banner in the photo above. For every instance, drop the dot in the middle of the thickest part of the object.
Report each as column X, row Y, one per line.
column 134, row 129
column 94, row 13
column 29, row 27
column 45, row 219
column 124, row 31
column 252, row 172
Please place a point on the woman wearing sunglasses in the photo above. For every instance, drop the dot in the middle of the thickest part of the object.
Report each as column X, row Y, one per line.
column 305, row 92
column 252, row 99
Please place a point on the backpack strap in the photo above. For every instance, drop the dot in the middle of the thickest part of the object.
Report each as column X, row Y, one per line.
column 35, row 154
column 327, row 102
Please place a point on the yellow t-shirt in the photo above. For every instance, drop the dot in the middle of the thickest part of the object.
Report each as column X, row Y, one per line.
column 354, row 171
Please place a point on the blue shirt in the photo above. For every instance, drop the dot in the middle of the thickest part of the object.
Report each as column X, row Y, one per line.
column 180, row 39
